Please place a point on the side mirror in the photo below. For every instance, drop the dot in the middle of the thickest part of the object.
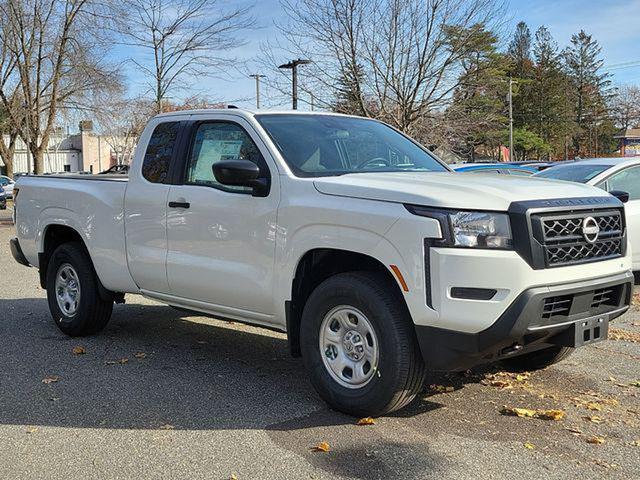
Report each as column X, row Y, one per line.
column 620, row 195
column 241, row 173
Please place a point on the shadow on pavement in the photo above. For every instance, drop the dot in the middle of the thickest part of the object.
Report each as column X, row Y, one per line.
column 194, row 375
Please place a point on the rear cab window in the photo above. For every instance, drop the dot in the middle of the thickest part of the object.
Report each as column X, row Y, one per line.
column 157, row 158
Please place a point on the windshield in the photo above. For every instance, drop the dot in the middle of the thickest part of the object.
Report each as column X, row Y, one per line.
column 573, row 172
column 322, row 145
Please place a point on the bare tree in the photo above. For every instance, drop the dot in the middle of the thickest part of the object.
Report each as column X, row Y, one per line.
column 625, row 106
column 181, row 40
column 120, row 120
column 400, row 58
column 56, row 62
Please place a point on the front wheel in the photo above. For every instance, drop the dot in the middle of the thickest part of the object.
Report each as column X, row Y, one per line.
column 72, row 292
column 359, row 346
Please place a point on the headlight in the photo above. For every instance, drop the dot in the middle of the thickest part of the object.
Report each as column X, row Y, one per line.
column 480, row 229
column 470, row 229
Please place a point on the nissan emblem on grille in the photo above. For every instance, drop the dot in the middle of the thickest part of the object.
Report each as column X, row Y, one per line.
column 590, row 229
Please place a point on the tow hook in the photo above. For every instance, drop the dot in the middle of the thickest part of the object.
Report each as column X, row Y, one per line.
column 515, row 348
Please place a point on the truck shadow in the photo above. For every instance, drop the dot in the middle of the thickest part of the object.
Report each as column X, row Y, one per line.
column 154, row 367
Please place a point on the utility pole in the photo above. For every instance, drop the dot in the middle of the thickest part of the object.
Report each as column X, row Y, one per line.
column 293, row 66
column 257, row 77
column 511, row 119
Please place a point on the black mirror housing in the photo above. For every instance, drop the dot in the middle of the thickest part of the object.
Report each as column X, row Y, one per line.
column 241, row 173
column 620, row 195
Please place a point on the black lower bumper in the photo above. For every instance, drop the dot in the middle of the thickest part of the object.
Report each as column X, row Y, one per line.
column 16, row 251
column 529, row 323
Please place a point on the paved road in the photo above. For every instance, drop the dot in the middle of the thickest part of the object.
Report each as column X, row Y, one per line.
column 212, row 399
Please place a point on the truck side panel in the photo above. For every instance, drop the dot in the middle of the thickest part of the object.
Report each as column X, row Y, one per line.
column 94, row 209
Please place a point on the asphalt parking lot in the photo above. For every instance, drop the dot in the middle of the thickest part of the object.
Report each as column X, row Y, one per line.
column 162, row 394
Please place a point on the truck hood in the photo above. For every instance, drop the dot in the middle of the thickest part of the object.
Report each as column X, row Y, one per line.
column 475, row 191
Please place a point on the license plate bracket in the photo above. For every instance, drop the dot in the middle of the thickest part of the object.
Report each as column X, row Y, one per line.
column 584, row 332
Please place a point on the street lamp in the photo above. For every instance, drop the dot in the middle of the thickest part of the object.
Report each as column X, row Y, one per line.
column 293, row 66
column 257, row 77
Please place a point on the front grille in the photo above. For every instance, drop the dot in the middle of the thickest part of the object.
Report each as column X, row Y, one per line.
column 564, row 243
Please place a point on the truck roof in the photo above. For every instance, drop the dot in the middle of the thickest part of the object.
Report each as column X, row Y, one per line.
column 244, row 112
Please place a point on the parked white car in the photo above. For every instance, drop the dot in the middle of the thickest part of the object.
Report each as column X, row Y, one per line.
column 7, row 183
column 375, row 258
column 611, row 175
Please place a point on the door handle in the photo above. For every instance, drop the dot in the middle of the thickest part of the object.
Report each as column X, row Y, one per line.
column 179, row 204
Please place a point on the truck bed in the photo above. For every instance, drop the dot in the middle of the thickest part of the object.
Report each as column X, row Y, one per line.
column 92, row 205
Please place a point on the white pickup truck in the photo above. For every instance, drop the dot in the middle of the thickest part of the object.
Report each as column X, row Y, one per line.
column 376, row 260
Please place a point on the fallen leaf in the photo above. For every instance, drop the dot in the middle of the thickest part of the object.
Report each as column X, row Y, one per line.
column 321, row 447
column 635, row 443
column 575, row 431
column 441, row 388
column 500, row 384
column 50, row 379
column 31, row 429
column 624, row 335
column 635, row 383
column 593, row 406
column 528, row 413
column 595, row 440
column 166, row 426
column 594, row 419
column 140, row 355
column 78, row 350
column 366, row 421
column 233, row 477
column 122, row 361
column 604, row 464
column 521, row 377
column 529, row 446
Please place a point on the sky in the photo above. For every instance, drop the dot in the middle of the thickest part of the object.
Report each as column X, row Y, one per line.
column 611, row 22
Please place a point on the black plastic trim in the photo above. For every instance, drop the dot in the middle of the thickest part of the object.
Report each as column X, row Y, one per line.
column 472, row 293
column 450, row 350
column 16, row 251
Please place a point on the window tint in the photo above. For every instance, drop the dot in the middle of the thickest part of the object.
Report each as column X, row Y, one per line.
column 320, row 145
column 573, row 172
column 157, row 158
column 627, row 180
column 217, row 141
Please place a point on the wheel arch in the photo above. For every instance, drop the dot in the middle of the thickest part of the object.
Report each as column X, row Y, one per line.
column 315, row 266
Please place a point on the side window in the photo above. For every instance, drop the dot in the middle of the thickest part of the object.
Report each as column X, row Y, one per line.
column 4, row 182
column 627, row 180
column 157, row 158
column 217, row 141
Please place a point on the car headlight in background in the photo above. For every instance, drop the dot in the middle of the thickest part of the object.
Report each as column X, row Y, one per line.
column 480, row 229
column 470, row 229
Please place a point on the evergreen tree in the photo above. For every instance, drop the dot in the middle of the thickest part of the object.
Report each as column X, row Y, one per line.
column 350, row 98
column 520, row 50
column 590, row 88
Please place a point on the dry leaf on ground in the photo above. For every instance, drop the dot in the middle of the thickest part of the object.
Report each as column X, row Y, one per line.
column 366, row 421
column 321, row 447
column 233, row 477
column 594, row 419
column 122, row 361
column 635, row 443
column 50, row 379
column 31, row 429
column 166, row 426
column 635, row 383
column 441, row 388
column 529, row 446
column 140, row 355
column 79, row 350
column 624, row 335
column 595, row 440
column 528, row 413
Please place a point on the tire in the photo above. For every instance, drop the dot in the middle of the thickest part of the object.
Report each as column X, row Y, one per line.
column 400, row 372
column 92, row 312
column 538, row 359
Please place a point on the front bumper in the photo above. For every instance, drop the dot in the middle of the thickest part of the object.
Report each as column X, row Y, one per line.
column 526, row 324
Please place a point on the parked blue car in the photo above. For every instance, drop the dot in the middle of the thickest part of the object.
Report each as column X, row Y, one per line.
column 3, row 199
column 503, row 168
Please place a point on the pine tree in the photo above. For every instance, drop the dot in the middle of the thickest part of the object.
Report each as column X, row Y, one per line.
column 590, row 87
column 350, row 98
column 520, row 50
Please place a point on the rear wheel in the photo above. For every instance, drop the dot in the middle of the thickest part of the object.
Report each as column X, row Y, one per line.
column 538, row 359
column 359, row 346
column 72, row 292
